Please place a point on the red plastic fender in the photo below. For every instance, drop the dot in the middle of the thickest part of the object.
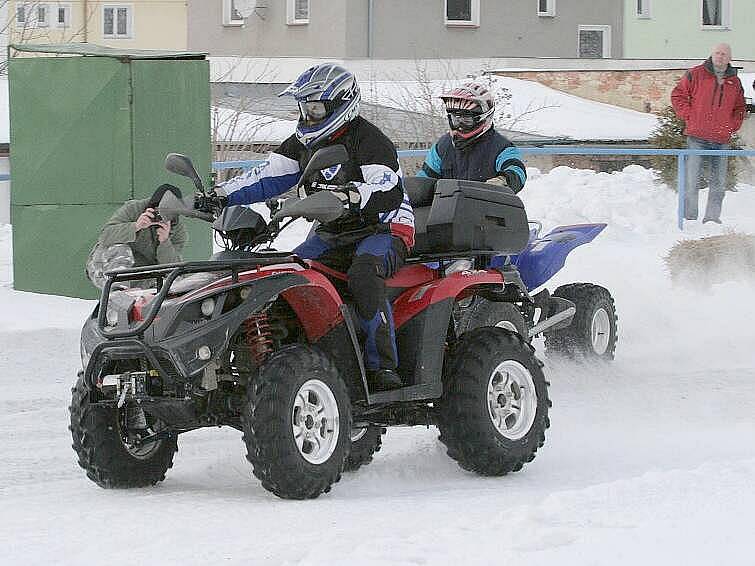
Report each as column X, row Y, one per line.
column 413, row 301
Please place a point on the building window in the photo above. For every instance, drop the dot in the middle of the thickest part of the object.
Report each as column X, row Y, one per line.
column 297, row 12
column 462, row 13
column 715, row 13
column 116, row 22
column 43, row 15
column 546, row 8
column 643, row 9
column 62, row 16
column 22, row 13
column 231, row 14
column 594, row 42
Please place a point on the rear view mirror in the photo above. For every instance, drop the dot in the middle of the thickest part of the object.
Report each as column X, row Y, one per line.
column 182, row 165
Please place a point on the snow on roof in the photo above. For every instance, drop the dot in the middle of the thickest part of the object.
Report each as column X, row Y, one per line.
column 233, row 126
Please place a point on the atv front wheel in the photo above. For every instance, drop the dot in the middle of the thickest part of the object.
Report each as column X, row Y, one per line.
column 592, row 333
column 107, row 441
column 365, row 442
column 297, row 423
column 494, row 412
column 483, row 312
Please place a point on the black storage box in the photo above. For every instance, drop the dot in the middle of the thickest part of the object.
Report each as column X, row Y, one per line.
column 476, row 217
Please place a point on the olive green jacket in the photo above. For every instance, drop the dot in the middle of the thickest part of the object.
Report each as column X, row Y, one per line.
column 121, row 229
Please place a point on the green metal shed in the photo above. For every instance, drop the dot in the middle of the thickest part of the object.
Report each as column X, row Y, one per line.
column 90, row 128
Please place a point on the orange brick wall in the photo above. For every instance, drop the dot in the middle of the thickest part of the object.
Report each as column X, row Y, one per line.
column 642, row 90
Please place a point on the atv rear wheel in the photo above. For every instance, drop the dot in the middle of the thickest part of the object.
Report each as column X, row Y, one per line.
column 592, row 334
column 106, row 441
column 494, row 412
column 483, row 312
column 365, row 442
column 297, row 423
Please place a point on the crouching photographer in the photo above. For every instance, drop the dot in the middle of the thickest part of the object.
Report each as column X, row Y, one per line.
column 137, row 235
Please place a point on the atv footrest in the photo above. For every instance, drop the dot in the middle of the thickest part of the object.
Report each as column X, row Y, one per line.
column 408, row 393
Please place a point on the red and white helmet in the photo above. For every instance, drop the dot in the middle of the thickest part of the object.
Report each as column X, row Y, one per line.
column 470, row 110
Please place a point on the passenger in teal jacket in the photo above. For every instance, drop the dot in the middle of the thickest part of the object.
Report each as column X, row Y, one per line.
column 472, row 149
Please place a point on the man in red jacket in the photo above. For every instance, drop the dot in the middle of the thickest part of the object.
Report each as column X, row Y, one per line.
column 710, row 100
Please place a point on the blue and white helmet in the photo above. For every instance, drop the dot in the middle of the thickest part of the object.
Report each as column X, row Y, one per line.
column 328, row 98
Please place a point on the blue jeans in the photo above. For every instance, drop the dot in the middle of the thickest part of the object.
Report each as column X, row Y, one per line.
column 716, row 182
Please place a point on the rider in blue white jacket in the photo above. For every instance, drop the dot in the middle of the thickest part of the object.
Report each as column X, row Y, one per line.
column 376, row 231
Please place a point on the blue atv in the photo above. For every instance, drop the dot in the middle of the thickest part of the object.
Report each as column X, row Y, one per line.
column 578, row 320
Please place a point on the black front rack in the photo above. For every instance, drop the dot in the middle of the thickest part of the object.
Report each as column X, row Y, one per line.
column 166, row 275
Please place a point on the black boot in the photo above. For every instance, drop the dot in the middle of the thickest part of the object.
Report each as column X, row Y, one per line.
column 383, row 380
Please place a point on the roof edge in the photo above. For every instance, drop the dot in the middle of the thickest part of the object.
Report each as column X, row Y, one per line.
column 93, row 50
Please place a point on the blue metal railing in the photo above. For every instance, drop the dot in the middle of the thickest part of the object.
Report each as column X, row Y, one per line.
column 680, row 154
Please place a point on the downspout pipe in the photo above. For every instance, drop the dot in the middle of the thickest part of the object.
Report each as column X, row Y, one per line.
column 370, row 27
column 86, row 21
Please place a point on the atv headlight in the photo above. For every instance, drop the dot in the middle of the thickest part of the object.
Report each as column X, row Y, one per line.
column 208, row 307
column 111, row 316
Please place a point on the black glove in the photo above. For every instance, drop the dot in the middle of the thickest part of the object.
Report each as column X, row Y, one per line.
column 210, row 203
column 348, row 194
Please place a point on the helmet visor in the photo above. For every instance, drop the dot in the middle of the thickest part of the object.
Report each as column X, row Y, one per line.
column 463, row 120
column 313, row 111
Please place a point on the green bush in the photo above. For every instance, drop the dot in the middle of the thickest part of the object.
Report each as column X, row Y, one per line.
column 670, row 135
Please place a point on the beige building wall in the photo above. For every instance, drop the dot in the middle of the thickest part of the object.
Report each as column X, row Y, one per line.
column 151, row 24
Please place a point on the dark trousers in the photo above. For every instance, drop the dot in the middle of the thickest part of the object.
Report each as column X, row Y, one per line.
column 370, row 262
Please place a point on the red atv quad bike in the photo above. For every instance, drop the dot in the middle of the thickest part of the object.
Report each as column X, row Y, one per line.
column 266, row 343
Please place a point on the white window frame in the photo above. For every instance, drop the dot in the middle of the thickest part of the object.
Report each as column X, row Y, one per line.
column 67, row 15
column 45, row 9
column 291, row 18
column 228, row 19
column 643, row 12
column 474, row 22
column 606, row 38
column 550, row 11
column 129, row 21
column 725, row 16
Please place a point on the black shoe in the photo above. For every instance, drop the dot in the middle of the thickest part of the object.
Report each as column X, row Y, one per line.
column 716, row 220
column 690, row 217
column 383, row 380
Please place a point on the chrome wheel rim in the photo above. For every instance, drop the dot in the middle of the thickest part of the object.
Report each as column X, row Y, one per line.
column 130, row 417
column 358, row 433
column 512, row 399
column 315, row 421
column 507, row 325
column 600, row 331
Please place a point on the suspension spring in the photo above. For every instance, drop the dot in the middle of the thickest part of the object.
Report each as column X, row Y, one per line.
column 258, row 337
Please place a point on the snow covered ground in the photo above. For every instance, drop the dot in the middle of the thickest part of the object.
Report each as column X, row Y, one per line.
column 649, row 460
